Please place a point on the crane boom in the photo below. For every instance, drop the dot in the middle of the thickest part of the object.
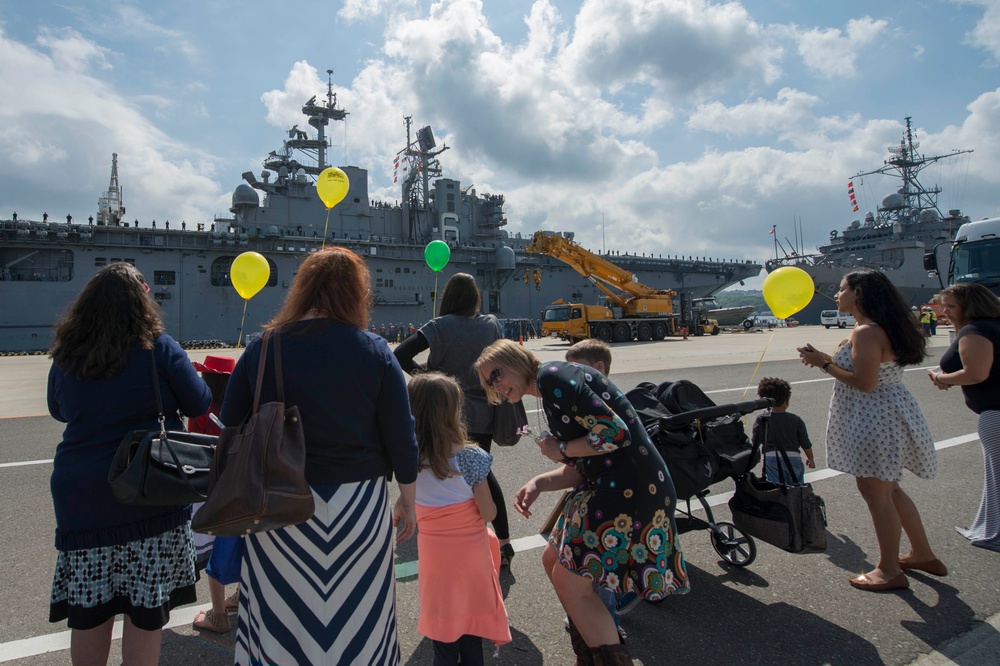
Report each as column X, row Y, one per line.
column 643, row 313
column 595, row 268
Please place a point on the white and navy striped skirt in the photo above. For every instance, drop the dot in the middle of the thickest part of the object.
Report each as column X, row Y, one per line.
column 985, row 528
column 323, row 592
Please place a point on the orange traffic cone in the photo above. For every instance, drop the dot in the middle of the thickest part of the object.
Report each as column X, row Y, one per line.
column 520, row 340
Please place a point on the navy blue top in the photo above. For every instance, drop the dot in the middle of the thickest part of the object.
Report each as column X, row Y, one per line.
column 98, row 413
column 351, row 395
column 984, row 396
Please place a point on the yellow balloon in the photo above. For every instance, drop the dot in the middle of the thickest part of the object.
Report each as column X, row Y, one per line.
column 332, row 186
column 249, row 273
column 788, row 290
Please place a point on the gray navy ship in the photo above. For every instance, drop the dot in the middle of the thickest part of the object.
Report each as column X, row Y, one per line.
column 44, row 264
column 893, row 239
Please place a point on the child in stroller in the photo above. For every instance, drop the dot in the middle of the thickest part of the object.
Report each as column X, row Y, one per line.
column 702, row 444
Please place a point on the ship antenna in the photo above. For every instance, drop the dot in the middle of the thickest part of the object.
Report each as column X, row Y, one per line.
column 331, row 99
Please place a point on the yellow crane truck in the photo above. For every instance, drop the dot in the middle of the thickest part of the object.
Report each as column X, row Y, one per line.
column 631, row 311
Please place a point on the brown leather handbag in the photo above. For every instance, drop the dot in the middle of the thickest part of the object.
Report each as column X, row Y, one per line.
column 258, row 479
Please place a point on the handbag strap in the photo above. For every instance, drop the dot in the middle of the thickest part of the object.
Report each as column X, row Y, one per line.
column 788, row 466
column 156, row 392
column 784, row 462
column 279, row 383
column 163, row 426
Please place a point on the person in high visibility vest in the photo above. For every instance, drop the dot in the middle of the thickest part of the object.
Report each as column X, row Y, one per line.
column 925, row 322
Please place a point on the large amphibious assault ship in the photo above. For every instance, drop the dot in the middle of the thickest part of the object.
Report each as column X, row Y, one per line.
column 893, row 239
column 44, row 264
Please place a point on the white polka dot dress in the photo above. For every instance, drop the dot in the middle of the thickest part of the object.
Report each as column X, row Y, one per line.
column 878, row 434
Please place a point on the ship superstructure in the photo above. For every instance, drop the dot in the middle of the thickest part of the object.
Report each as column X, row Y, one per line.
column 43, row 264
column 893, row 239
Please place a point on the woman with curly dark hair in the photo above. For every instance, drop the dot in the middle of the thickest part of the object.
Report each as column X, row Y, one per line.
column 116, row 558
column 876, row 428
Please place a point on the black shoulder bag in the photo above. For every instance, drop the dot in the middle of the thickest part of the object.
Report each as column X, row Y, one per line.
column 787, row 515
column 162, row 467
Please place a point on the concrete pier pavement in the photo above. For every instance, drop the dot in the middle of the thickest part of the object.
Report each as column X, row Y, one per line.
column 789, row 609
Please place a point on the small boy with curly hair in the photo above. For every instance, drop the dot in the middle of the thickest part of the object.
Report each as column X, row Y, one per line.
column 780, row 429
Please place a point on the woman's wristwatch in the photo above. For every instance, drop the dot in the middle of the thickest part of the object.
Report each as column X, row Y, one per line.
column 562, row 447
column 825, row 366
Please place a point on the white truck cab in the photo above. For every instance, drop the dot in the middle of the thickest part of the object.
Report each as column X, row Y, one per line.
column 836, row 318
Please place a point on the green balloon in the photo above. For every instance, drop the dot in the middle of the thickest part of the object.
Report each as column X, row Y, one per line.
column 436, row 254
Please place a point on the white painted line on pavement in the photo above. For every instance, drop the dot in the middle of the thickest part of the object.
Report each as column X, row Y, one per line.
column 29, row 647
column 26, row 462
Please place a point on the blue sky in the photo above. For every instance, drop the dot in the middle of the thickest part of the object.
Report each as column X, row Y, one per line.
column 687, row 126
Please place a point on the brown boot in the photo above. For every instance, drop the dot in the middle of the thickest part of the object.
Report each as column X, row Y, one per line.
column 611, row 655
column 584, row 657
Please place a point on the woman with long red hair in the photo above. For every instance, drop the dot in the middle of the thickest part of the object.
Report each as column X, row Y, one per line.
column 307, row 590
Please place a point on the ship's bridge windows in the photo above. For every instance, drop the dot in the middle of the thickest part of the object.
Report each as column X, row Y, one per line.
column 164, row 277
column 100, row 261
column 220, row 272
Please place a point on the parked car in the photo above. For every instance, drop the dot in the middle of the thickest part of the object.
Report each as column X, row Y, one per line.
column 836, row 318
column 766, row 320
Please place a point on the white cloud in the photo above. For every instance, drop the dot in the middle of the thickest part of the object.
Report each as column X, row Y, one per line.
column 986, row 34
column 63, row 124
column 678, row 47
column 359, row 10
column 132, row 21
column 71, row 52
column 760, row 116
column 832, row 52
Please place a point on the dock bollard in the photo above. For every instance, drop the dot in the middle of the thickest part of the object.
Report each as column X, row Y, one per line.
column 684, row 332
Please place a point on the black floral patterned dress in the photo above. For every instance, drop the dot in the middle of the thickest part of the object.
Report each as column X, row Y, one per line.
column 617, row 527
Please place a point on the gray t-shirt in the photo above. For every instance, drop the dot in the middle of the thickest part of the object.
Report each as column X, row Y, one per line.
column 784, row 430
column 455, row 343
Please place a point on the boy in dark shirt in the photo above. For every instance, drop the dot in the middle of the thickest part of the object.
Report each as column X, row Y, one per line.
column 780, row 429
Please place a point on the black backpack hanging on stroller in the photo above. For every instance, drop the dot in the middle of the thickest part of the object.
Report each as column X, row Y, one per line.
column 702, row 444
column 699, row 452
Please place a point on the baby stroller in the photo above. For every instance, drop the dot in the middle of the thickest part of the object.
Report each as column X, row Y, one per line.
column 702, row 444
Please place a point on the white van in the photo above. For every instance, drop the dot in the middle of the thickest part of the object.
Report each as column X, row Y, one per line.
column 836, row 318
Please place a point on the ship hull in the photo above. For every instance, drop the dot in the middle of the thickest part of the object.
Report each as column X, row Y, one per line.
column 200, row 308
column 909, row 277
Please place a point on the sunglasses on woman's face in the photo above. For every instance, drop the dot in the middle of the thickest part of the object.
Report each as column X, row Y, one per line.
column 494, row 378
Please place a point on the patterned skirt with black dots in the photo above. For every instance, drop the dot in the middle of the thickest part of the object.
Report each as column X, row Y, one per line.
column 141, row 579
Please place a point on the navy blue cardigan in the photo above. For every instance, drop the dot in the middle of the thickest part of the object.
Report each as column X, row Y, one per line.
column 351, row 395
column 98, row 414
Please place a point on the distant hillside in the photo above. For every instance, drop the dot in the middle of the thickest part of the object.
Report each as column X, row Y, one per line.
column 736, row 297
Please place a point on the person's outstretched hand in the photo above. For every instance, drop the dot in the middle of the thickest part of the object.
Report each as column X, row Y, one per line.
column 525, row 497
column 407, row 513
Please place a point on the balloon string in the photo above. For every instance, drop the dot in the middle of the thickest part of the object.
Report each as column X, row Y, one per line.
column 325, row 227
column 240, row 338
column 757, row 367
column 436, row 274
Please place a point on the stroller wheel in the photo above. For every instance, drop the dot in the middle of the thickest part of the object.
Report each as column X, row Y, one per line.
column 732, row 545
